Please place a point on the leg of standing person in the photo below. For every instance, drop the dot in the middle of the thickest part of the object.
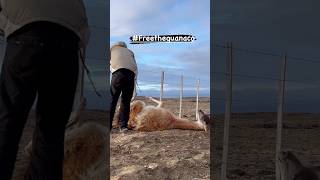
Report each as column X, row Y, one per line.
column 58, row 74
column 115, row 90
column 126, row 96
column 17, row 94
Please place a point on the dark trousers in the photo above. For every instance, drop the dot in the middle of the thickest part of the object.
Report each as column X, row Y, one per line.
column 41, row 60
column 122, row 82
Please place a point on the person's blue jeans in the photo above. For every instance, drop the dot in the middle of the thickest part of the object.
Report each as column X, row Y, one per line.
column 41, row 60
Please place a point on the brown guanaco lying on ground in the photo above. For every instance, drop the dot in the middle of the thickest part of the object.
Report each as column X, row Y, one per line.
column 155, row 118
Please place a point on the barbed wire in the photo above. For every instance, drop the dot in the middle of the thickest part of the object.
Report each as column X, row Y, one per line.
column 268, row 78
column 266, row 53
column 289, row 101
column 247, row 101
column 260, row 52
column 172, row 85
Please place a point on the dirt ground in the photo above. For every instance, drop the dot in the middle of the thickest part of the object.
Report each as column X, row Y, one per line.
column 252, row 143
column 170, row 154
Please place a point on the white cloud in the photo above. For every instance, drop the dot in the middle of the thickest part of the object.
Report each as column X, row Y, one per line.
column 125, row 16
column 149, row 16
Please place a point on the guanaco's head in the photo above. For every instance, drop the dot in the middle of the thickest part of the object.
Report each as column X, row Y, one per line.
column 204, row 117
column 290, row 165
column 135, row 108
column 289, row 157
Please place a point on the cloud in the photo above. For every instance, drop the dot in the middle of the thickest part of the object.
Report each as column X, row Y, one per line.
column 148, row 17
column 126, row 16
column 272, row 26
column 191, row 63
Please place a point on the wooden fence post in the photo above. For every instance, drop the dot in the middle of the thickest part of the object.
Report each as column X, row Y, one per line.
column 281, row 95
column 197, row 101
column 181, row 95
column 161, row 85
column 229, row 59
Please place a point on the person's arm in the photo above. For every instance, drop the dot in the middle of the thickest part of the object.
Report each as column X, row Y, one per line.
column 135, row 79
column 111, row 69
column 136, row 70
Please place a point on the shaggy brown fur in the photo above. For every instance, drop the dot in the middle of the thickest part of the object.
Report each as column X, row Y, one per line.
column 155, row 118
column 85, row 152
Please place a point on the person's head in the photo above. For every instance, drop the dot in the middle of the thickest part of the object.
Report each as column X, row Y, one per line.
column 120, row 43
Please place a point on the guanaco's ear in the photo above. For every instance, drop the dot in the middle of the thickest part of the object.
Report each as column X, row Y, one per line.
column 201, row 112
column 134, row 107
column 287, row 153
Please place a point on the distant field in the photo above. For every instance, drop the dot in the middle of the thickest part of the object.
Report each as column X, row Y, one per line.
column 252, row 143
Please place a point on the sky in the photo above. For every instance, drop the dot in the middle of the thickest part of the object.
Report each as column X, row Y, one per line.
column 275, row 27
column 149, row 17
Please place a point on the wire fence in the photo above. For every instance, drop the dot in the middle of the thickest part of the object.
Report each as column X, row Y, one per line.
column 256, row 80
column 175, row 90
column 303, row 79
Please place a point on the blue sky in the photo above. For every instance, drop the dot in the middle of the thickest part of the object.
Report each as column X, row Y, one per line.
column 149, row 17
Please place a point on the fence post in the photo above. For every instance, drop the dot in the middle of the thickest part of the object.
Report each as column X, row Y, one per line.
column 161, row 85
column 229, row 59
column 281, row 96
column 197, row 101
column 181, row 95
